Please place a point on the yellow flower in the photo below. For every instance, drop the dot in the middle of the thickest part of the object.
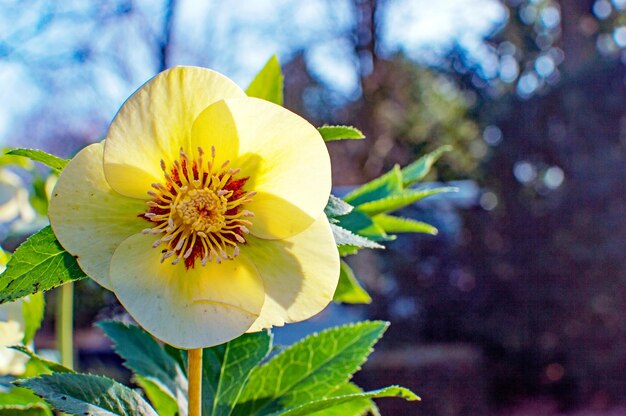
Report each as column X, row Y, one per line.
column 203, row 211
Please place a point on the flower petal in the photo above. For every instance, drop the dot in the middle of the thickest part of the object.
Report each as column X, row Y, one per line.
column 288, row 165
column 155, row 122
column 300, row 274
column 215, row 127
column 186, row 308
column 90, row 219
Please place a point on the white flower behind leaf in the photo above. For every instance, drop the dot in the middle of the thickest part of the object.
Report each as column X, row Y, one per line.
column 12, row 327
column 14, row 202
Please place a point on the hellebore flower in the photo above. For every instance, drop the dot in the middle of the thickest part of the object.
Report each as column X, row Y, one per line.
column 202, row 210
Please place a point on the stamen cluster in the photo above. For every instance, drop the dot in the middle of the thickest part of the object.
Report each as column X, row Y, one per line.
column 198, row 210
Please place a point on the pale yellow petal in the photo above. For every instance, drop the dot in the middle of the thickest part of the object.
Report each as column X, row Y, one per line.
column 215, row 128
column 300, row 274
column 90, row 219
column 155, row 122
column 193, row 308
column 288, row 165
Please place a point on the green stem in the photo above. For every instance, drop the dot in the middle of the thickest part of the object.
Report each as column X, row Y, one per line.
column 65, row 324
column 195, row 382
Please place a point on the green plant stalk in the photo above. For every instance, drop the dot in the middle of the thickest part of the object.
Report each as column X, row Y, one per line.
column 195, row 382
column 65, row 324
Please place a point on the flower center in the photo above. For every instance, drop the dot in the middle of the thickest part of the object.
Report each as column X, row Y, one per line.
column 198, row 211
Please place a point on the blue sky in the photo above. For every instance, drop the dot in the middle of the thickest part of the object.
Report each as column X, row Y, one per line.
column 235, row 38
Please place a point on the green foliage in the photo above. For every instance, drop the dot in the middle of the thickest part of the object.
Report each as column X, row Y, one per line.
column 37, row 365
column 362, row 219
column 47, row 159
column 227, row 368
column 394, row 202
column 88, row 394
column 336, row 207
column 417, row 170
column 388, row 184
column 318, row 405
column 332, row 133
column 344, row 237
column 268, row 83
column 33, row 307
column 309, row 377
column 39, row 264
column 147, row 359
column 349, row 290
column 356, row 407
column 391, row 224
column 162, row 402
column 13, row 399
column 310, row 369
column 36, row 409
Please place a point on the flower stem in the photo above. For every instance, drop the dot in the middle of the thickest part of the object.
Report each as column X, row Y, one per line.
column 65, row 324
column 195, row 382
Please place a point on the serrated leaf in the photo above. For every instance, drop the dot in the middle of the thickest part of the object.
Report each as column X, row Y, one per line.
column 356, row 407
column 336, row 207
column 354, row 221
column 161, row 401
column 227, row 368
column 316, row 406
column 18, row 396
column 268, row 83
column 47, row 159
column 419, row 169
column 393, row 224
column 88, row 394
column 345, row 237
column 349, row 290
column 44, row 366
column 395, row 202
column 25, row 410
column 386, row 185
column 33, row 307
column 39, row 264
column 144, row 356
column 310, row 369
column 332, row 133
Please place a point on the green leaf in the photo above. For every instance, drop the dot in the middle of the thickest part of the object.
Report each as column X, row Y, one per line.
column 43, row 366
column 227, row 368
column 18, row 396
column 336, row 207
column 268, row 83
column 144, row 356
column 332, row 133
column 356, row 407
column 25, row 410
column 420, row 168
column 88, row 394
column 47, row 159
column 12, row 160
column 393, row 224
column 349, row 290
column 386, row 185
column 39, row 264
column 394, row 202
column 162, row 402
column 345, row 237
column 310, row 369
column 317, row 405
column 33, row 307
column 354, row 221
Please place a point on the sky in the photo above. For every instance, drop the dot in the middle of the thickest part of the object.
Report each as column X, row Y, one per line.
column 235, row 38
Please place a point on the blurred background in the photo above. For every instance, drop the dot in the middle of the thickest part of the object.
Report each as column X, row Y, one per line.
column 517, row 307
